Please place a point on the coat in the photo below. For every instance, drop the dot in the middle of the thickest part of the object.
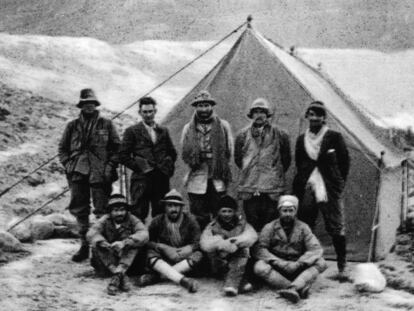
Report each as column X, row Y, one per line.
column 95, row 156
column 263, row 160
column 274, row 245
column 132, row 230
column 333, row 163
column 141, row 155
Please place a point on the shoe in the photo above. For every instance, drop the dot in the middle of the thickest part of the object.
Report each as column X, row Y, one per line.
column 147, row 279
column 290, row 294
column 304, row 292
column 114, row 284
column 189, row 284
column 125, row 285
column 81, row 254
column 343, row 275
column 230, row 291
column 245, row 287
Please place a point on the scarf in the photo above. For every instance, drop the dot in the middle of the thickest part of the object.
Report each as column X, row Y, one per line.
column 313, row 144
column 88, row 125
column 173, row 229
column 219, row 144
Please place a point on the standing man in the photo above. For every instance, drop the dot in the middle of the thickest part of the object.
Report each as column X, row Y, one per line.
column 89, row 152
column 262, row 152
column 148, row 151
column 288, row 253
column 227, row 241
column 116, row 240
column 322, row 164
column 173, row 249
column 207, row 148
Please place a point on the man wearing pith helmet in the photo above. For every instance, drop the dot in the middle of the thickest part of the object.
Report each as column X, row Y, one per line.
column 173, row 250
column 116, row 240
column 262, row 152
column 289, row 255
column 322, row 166
column 207, row 146
column 88, row 150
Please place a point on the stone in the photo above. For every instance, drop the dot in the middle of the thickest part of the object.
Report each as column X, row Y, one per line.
column 41, row 228
column 8, row 243
column 22, row 232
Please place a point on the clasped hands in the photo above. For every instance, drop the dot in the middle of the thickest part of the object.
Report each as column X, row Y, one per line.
column 117, row 246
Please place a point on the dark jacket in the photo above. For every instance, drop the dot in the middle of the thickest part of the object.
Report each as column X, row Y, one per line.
column 94, row 155
column 132, row 230
column 189, row 230
column 333, row 163
column 141, row 155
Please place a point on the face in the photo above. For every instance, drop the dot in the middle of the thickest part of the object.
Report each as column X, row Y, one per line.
column 226, row 214
column 173, row 211
column 316, row 119
column 88, row 108
column 118, row 214
column 259, row 116
column 204, row 110
column 287, row 214
column 147, row 112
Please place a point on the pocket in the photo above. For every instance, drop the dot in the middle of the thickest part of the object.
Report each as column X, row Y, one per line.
column 102, row 137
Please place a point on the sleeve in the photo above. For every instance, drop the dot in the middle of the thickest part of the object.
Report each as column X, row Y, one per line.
column 140, row 236
column 230, row 139
column 314, row 250
column 170, row 147
column 95, row 233
column 238, row 150
column 208, row 241
column 342, row 156
column 114, row 144
column 285, row 150
column 248, row 237
column 153, row 232
column 64, row 146
column 184, row 147
column 261, row 251
column 195, row 233
column 126, row 157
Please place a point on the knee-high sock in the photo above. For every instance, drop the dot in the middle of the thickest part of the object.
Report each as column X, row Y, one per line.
column 182, row 267
column 270, row 275
column 167, row 271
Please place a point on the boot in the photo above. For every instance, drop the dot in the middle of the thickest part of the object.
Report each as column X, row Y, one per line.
column 234, row 276
column 339, row 242
column 114, row 285
column 189, row 284
column 82, row 253
column 147, row 279
column 125, row 284
column 290, row 294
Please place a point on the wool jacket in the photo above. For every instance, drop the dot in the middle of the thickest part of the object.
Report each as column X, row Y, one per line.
column 89, row 153
column 141, row 155
column 302, row 245
column 263, row 160
column 214, row 233
column 333, row 163
column 189, row 229
column 132, row 231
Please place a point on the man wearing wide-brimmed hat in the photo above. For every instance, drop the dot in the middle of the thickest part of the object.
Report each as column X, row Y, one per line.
column 322, row 166
column 289, row 255
column 207, row 146
column 173, row 249
column 88, row 150
column 262, row 152
column 116, row 240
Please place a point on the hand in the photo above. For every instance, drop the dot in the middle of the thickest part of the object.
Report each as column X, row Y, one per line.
column 104, row 244
column 227, row 246
column 171, row 253
column 109, row 172
column 185, row 251
column 292, row 266
column 118, row 246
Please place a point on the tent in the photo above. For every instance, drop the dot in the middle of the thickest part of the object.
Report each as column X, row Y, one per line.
column 255, row 67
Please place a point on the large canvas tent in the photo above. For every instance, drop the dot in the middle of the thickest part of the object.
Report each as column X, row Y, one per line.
column 255, row 67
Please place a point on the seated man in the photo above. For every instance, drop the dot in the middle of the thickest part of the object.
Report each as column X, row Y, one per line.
column 116, row 239
column 174, row 244
column 227, row 240
column 289, row 255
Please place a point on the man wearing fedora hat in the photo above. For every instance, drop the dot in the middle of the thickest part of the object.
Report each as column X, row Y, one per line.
column 147, row 150
column 116, row 240
column 88, row 150
column 207, row 145
column 262, row 152
column 227, row 240
column 322, row 166
column 289, row 255
column 173, row 249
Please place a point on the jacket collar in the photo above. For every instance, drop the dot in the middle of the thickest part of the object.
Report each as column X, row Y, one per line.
column 281, row 232
column 145, row 133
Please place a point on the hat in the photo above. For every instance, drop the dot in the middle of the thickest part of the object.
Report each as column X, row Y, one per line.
column 288, row 200
column 173, row 197
column 87, row 95
column 117, row 200
column 203, row 97
column 228, row 201
column 262, row 104
column 317, row 105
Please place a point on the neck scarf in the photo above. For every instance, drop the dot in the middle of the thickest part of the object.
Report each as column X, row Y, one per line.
column 174, row 231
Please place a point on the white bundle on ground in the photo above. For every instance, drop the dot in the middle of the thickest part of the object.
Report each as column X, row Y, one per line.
column 368, row 278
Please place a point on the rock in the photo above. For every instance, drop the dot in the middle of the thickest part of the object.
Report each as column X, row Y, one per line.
column 9, row 243
column 403, row 239
column 35, row 180
column 41, row 228
column 368, row 278
column 22, row 232
column 56, row 218
column 63, row 232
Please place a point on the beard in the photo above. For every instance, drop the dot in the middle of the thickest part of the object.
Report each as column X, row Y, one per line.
column 287, row 221
column 204, row 114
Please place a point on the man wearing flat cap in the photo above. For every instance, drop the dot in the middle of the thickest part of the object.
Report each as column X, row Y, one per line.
column 147, row 150
column 289, row 255
column 116, row 240
column 173, row 249
column 88, row 150
column 322, row 165
column 262, row 152
column 227, row 240
column 207, row 146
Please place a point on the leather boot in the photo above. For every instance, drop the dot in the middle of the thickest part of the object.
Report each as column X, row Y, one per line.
column 82, row 253
column 339, row 242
